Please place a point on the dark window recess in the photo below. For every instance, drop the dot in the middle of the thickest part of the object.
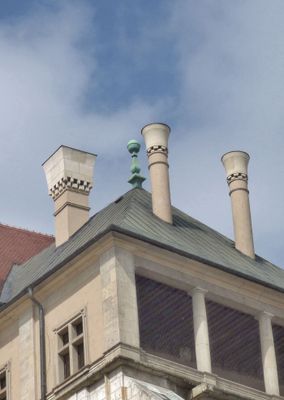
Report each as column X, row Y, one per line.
column 79, row 328
column 66, row 365
column 80, row 355
column 235, row 345
column 278, row 333
column 165, row 321
column 3, row 381
column 3, row 385
column 65, row 337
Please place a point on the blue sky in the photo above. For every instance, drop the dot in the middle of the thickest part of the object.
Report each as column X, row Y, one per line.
column 92, row 74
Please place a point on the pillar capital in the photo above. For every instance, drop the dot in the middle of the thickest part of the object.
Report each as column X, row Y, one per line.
column 264, row 315
column 198, row 289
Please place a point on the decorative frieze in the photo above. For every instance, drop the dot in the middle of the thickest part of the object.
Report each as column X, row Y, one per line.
column 157, row 149
column 237, row 176
column 69, row 183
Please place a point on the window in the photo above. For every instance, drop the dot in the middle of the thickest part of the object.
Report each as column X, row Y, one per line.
column 3, row 384
column 165, row 321
column 71, row 348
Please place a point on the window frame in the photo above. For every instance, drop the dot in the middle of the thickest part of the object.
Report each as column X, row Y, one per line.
column 70, row 346
column 5, row 369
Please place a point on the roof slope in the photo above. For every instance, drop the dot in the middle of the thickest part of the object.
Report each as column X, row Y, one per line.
column 132, row 214
column 17, row 246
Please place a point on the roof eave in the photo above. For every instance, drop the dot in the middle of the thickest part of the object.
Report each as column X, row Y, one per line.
column 117, row 229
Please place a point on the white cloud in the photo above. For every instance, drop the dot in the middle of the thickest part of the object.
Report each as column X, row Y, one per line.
column 48, row 64
column 45, row 76
column 231, row 61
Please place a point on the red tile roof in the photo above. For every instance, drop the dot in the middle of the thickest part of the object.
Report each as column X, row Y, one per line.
column 17, row 246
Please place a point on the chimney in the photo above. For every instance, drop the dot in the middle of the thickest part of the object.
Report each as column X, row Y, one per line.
column 69, row 175
column 156, row 139
column 236, row 166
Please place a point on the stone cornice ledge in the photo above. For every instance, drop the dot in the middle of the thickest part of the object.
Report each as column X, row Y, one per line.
column 207, row 386
column 216, row 387
column 206, row 391
column 244, row 392
column 117, row 356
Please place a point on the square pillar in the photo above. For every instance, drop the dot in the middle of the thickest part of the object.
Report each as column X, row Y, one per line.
column 27, row 370
column 119, row 301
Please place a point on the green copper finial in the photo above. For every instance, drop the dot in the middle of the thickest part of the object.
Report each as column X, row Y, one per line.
column 136, row 179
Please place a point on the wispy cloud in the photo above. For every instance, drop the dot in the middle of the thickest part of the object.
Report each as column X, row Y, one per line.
column 213, row 70
column 231, row 60
column 48, row 65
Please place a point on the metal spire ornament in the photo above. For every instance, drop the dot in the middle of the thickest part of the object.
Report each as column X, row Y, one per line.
column 136, row 179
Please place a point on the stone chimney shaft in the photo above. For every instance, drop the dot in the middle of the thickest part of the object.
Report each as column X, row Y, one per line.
column 236, row 166
column 156, row 139
column 69, row 175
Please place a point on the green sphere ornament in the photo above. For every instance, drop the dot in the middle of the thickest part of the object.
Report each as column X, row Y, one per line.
column 133, row 146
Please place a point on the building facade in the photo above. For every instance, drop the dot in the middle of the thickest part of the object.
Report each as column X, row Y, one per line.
column 141, row 301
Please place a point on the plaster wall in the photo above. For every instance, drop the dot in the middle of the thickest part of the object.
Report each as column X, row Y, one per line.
column 9, row 354
column 80, row 291
column 75, row 289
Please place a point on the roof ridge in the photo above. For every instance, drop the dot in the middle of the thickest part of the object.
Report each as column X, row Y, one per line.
column 132, row 195
column 110, row 204
column 17, row 228
column 133, row 203
column 101, row 212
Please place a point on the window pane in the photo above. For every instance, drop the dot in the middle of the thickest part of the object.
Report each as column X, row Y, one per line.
column 80, row 354
column 71, row 348
column 66, row 365
column 2, row 381
column 64, row 336
column 79, row 328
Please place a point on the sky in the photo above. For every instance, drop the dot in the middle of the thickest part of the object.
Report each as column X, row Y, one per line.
column 90, row 74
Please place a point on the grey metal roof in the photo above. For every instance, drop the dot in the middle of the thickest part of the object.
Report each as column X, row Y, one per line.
column 132, row 214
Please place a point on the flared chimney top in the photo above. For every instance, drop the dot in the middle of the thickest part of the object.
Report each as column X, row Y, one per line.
column 156, row 138
column 69, row 175
column 236, row 167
